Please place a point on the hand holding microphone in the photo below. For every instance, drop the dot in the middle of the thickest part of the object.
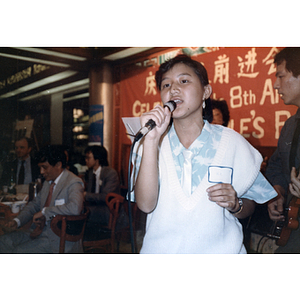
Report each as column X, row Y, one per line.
column 151, row 124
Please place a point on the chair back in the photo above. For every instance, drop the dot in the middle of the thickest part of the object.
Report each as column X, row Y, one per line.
column 5, row 211
column 113, row 201
column 69, row 228
column 105, row 235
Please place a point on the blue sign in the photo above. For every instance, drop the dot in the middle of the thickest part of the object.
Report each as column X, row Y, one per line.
column 96, row 124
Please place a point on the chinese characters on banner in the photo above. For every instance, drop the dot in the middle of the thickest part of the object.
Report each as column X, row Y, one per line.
column 243, row 76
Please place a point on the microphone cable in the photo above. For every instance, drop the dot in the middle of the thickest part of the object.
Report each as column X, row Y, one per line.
column 129, row 190
column 150, row 125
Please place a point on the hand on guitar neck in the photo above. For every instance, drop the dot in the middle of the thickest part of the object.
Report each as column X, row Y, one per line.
column 288, row 219
column 276, row 205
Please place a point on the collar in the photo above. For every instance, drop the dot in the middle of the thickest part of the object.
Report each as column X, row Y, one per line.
column 298, row 113
column 26, row 160
column 198, row 143
column 57, row 178
column 97, row 172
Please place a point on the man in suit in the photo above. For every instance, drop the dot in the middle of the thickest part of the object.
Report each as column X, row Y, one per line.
column 24, row 168
column 66, row 199
column 100, row 180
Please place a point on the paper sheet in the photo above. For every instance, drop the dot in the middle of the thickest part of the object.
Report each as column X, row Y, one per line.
column 132, row 126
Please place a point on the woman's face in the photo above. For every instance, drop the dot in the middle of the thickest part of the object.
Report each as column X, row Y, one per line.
column 182, row 85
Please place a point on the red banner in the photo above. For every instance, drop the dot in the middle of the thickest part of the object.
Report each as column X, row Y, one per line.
column 244, row 77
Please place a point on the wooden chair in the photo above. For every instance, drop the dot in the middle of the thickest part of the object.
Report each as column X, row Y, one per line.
column 69, row 228
column 5, row 211
column 104, row 235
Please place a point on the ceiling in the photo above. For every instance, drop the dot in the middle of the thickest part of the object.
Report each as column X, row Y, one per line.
column 27, row 73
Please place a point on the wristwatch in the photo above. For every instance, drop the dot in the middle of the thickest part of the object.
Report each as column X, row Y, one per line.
column 241, row 204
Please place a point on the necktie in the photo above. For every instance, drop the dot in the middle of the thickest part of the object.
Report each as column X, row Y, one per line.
column 21, row 174
column 94, row 184
column 186, row 179
column 41, row 224
column 48, row 201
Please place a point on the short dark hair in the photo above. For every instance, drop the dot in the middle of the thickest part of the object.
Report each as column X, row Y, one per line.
column 199, row 70
column 223, row 107
column 291, row 55
column 182, row 58
column 99, row 152
column 52, row 154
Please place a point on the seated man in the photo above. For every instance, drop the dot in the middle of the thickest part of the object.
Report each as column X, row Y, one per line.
column 62, row 193
column 25, row 169
column 100, row 180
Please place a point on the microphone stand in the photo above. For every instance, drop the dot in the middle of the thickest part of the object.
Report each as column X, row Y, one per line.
column 129, row 198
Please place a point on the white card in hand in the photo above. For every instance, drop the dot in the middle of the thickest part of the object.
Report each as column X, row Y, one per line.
column 220, row 174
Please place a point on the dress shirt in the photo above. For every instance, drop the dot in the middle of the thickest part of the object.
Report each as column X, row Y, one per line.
column 98, row 181
column 43, row 210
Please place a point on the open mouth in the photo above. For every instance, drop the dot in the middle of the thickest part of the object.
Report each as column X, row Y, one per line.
column 177, row 101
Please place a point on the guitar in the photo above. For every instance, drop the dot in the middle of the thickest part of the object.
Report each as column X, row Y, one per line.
column 283, row 229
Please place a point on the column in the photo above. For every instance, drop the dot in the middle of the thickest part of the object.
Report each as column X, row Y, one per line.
column 101, row 92
column 56, row 119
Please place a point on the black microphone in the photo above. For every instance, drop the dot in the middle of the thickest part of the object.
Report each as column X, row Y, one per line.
column 151, row 124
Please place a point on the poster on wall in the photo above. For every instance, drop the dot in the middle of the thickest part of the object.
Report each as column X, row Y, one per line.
column 243, row 76
column 96, row 125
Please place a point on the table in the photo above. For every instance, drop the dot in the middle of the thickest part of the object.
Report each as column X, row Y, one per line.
column 6, row 213
column 5, row 216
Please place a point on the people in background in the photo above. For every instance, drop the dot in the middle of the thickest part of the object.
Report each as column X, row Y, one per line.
column 70, row 163
column 190, row 182
column 24, row 168
column 100, row 180
column 221, row 113
column 283, row 166
column 61, row 194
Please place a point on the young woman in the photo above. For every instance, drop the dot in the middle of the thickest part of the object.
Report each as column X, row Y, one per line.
column 199, row 216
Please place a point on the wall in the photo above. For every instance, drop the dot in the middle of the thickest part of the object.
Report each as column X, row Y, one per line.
column 243, row 76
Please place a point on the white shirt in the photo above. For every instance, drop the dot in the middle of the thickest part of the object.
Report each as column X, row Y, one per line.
column 43, row 210
column 98, row 181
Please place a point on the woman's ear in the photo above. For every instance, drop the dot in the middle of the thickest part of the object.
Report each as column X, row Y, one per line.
column 207, row 91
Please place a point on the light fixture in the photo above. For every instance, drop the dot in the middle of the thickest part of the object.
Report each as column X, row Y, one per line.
column 53, row 53
column 36, row 60
column 126, row 53
column 39, row 83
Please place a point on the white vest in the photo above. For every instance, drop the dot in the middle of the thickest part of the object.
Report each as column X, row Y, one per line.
column 181, row 224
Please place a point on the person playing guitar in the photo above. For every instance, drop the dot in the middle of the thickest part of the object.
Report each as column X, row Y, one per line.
column 281, row 169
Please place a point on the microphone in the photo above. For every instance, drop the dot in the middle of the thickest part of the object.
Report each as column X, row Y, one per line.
column 151, row 124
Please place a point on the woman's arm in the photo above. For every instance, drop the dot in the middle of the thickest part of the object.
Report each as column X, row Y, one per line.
column 146, row 187
column 147, row 183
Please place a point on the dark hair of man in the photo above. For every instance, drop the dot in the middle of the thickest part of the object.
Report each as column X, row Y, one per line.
column 223, row 107
column 291, row 55
column 199, row 70
column 52, row 154
column 99, row 152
